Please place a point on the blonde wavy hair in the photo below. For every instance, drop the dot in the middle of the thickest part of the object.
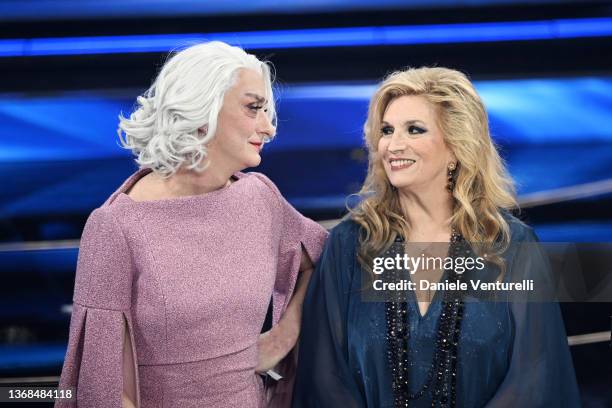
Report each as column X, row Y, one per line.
column 482, row 189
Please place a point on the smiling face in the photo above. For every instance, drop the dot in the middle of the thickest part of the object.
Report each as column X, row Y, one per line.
column 411, row 146
column 242, row 125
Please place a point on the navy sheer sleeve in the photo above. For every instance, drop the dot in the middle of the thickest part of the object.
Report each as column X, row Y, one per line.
column 324, row 378
column 512, row 352
column 541, row 372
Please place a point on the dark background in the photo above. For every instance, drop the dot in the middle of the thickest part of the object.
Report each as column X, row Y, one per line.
column 549, row 99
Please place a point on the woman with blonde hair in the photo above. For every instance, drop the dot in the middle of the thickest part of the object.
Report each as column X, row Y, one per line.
column 177, row 268
column 435, row 183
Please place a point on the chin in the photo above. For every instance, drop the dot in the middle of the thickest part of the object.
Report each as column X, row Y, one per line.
column 399, row 182
column 401, row 186
column 253, row 161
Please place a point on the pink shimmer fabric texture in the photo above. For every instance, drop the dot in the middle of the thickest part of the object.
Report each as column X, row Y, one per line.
column 192, row 277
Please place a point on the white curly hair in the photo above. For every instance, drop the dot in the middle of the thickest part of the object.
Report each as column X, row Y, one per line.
column 165, row 130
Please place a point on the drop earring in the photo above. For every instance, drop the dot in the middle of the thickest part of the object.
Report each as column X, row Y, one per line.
column 451, row 177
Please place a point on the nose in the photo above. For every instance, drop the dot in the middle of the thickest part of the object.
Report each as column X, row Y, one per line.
column 265, row 128
column 397, row 143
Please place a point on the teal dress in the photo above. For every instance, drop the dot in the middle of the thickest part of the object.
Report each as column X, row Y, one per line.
column 509, row 354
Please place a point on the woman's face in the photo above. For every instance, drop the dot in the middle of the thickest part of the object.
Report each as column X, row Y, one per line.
column 411, row 147
column 242, row 124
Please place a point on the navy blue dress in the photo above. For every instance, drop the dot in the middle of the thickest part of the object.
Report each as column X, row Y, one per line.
column 510, row 354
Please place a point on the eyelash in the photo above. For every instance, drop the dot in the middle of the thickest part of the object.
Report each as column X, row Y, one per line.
column 416, row 130
column 413, row 130
column 255, row 108
column 386, row 131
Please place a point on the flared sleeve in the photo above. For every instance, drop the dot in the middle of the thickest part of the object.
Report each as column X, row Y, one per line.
column 93, row 366
column 295, row 234
column 324, row 378
column 541, row 372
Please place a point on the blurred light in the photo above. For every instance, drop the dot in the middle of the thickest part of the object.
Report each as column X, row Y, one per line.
column 16, row 10
column 324, row 37
column 553, row 133
column 521, row 111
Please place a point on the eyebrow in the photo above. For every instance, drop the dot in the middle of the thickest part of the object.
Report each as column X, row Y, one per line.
column 258, row 98
column 408, row 122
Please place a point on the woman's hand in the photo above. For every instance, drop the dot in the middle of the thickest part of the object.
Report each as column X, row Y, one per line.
column 275, row 344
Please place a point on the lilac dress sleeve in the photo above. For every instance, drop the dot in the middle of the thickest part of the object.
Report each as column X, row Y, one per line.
column 93, row 367
column 294, row 233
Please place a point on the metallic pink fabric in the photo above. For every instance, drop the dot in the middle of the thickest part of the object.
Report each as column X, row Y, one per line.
column 192, row 276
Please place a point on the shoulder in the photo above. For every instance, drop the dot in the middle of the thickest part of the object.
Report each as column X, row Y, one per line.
column 261, row 181
column 527, row 259
column 347, row 229
column 103, row 221
column 104, row 267
column 134, row 182
column 519, row 230
column 344, row 237
column 262, row 184
column 338, row 264
column 272, row 194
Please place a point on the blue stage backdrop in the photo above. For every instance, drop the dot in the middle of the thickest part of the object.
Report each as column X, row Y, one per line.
column 61, row 152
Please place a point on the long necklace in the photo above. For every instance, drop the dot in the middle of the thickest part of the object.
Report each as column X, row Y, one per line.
column 441, row 378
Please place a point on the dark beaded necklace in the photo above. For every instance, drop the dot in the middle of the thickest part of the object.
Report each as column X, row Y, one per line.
column 441, row 378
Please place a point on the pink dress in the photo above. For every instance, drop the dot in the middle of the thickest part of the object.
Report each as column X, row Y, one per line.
column 192, row 277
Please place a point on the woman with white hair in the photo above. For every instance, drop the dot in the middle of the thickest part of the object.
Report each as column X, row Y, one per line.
column 177, row 268
column 436, row 184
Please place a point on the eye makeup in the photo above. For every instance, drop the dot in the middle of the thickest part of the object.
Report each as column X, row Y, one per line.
column 386, row 130
column 416, row 130
column 258, row 104
column 410, row 126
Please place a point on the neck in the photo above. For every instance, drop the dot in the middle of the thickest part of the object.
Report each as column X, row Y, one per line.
column 429, row 213
column 190, row 182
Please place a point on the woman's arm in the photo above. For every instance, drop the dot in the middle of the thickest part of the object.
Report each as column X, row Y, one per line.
column 276, row 343
column 97, row 351
column 129, row 396
column 324, row 375
column 541, row 372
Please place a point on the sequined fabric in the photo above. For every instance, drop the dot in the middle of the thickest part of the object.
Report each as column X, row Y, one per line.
column 192, row 277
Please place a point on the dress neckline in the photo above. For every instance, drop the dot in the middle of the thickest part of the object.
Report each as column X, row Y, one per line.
column 131, row 181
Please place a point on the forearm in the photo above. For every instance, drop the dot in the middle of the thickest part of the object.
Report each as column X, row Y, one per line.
column 290, row 322
column 129, row 395
column 276, row 343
